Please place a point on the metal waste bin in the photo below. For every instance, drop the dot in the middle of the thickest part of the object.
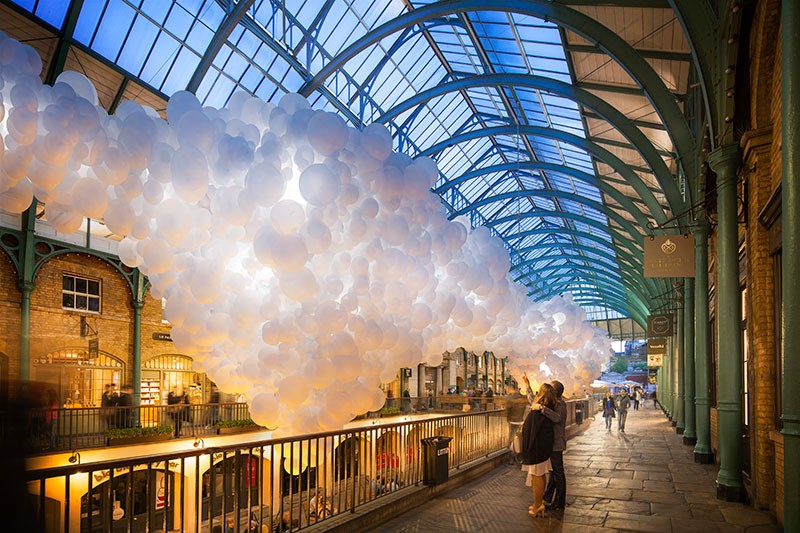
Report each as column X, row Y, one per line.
column 435, row 455
column 578, row 415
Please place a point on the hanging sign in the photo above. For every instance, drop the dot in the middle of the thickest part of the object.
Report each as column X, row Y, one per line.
column 659, row 326
column 94, row 348
column 656, row 349
column 669, row 256
column 162, row 337
column 657, row 346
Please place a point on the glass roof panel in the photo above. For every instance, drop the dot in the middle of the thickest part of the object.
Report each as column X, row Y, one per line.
column 280, row 46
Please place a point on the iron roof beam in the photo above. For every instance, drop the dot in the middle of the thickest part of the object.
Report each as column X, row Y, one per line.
column 623, row 200
column 666, row 55
column 235, row 13
column 633, row 179
column 616, row 47
column 633, row 134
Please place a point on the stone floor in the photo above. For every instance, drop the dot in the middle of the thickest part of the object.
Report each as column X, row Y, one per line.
column 642, row 480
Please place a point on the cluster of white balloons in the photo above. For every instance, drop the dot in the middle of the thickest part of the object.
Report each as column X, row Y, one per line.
column 302, row 261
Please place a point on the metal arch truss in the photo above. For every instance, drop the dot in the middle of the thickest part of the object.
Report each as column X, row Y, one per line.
column 593, row 180
column 11, row 242
column 633, row 179
column 608, row 41
column 629, row 130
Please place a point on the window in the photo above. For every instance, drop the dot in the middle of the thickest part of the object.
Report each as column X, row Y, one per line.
column 79, row 293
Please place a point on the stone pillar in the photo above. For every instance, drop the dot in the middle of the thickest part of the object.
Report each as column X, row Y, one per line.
column 680, row 423
column 689, row 432
column 702, row 363
column 790, row 219
column 724, row 161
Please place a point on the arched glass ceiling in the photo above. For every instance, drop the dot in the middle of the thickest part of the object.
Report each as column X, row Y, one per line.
column 552, row 135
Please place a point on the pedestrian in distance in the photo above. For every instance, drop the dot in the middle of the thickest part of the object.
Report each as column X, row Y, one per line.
column 623, row 404
column 609, row 406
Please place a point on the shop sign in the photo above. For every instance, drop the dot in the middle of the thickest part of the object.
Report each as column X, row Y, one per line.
column 655, row 359
column 669, row 256
column 659, row 326
column 162, row 337
column 657, row 346
column 94, row 348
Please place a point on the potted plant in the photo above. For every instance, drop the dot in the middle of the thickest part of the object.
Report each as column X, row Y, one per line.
column 230, row 427
column 390, row 411
column 126, row 436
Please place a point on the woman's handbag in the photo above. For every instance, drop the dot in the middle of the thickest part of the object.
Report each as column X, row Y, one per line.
column 516, row 442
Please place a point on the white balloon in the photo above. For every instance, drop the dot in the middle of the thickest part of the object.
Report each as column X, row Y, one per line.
column 82, row 85
column 319, row 185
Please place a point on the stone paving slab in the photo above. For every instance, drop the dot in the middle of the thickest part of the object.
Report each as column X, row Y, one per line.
column 642, row 480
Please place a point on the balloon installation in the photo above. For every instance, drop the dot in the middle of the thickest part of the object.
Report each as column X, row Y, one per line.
column 302, row 261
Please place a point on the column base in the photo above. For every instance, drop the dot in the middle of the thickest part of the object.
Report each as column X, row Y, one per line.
column 679, row 430
column 730, row 494
column 690, row 441
column 704, row 458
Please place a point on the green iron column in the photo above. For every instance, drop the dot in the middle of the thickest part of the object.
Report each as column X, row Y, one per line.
column 680, row 423
column 724, row 161
column 702, row 364
column 137, row 302
column 27, row 257
column 790, row 199
column 689, row 433
column 667, row 375
column 137, row 351
column 673, row 379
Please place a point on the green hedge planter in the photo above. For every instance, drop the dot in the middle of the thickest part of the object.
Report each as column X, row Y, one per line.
column 130, row 436
column 232, row 427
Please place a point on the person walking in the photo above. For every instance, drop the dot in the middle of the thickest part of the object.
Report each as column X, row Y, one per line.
column 608, row 409
column 623, row 404
column 517, row 406
column 125, row 418
column 109, row 401
column 51, row 417
column 556, row 491
column 537, row 446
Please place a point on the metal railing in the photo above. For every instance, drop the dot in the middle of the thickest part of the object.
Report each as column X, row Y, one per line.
column 50, row 430
column 81, row 428
column 280, row 484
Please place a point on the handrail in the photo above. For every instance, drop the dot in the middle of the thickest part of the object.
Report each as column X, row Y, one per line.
column 262, row 480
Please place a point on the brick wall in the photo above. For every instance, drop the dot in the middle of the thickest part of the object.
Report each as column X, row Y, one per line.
column 9, row 317
column 762, row 173
column 54, row 328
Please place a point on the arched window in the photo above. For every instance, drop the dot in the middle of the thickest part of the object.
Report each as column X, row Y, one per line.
column 77, row 376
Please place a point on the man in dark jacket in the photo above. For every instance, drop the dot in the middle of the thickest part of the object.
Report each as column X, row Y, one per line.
column 623, row 404
column 556, row 491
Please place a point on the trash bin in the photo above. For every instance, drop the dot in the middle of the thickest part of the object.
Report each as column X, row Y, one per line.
column 578, row 415
column 436, row 452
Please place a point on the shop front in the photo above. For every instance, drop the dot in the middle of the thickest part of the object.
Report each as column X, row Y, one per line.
column 171, row 373
column 77, row 377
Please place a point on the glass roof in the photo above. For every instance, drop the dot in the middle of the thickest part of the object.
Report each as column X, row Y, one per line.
column 558, row 182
